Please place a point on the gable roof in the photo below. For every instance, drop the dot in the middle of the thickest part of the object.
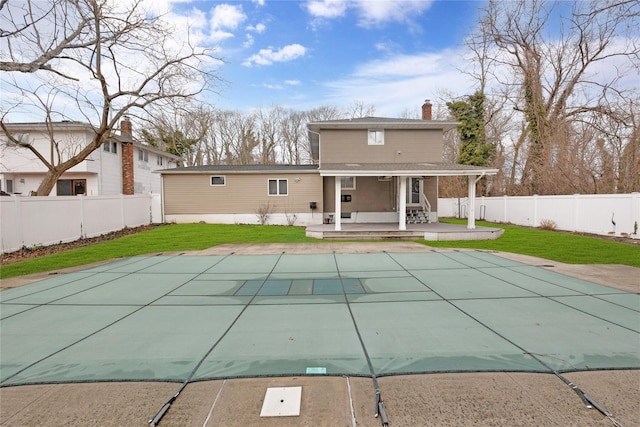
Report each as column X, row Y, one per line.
column 208, row 169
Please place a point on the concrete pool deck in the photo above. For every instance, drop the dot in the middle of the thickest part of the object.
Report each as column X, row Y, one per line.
column 426, row 399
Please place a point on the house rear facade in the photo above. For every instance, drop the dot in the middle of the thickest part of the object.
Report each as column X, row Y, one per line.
column 367, row 170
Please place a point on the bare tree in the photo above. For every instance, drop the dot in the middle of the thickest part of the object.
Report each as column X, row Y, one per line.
column 183, row 130
column 359, row 109
column 268, row 122
column 95, row 59
column 555, row 79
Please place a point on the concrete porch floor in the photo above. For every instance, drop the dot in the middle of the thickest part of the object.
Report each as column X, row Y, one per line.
column 379, row 231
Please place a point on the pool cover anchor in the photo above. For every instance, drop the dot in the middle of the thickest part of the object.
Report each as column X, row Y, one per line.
column 380, row 412
column 588, row 400
column 153, row 422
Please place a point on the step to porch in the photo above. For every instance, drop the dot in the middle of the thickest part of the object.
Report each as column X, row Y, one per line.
column 373, row 235
column 417, row 216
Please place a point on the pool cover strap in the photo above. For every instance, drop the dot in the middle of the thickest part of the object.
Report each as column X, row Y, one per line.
column 379, row 411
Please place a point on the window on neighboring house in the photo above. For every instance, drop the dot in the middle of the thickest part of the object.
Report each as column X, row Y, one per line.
column 9, row 186
column 71, row 187
column 348, row 182
column 159, row 160
column 376, row 137
column 143, row 156
column 218, row 180
column 278, row 187
column 110, row 147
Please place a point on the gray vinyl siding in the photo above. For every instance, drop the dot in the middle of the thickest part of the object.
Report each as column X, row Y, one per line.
column 241, row 194
column 401, row 146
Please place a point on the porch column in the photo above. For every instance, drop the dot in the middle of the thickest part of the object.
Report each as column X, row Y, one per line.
column 402, row 203
column 338, row 202
column 471, row 220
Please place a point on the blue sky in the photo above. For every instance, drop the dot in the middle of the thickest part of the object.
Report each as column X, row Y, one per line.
column 306, row 54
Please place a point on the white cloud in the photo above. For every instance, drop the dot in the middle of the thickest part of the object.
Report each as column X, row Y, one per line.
column 401, row 82
column 248, row 41
column 269, row 56
column 258, row 2
column 369, row 12
column 258, row 28
column 327, row 8
column 376, row 12
column 227, row 16
column 292, row 82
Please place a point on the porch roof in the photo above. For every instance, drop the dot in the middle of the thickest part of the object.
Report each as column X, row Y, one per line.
column 403, row 169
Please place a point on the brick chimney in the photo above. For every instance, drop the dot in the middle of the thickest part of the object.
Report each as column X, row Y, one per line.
column 127, row 156
column 426, row 110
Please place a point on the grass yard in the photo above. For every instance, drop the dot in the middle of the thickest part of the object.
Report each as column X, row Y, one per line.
column 553, row 245
column 165, row 238
column 557, row 246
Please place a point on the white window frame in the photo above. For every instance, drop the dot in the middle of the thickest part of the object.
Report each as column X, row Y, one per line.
column 375, row 137
column 114, row 147
column 106, row 146
column 224, row 180
column 159, row 160
column 278, row 180
column 143, row 155
column 342, row 183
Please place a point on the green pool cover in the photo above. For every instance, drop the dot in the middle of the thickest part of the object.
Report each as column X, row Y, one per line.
column 178, row 318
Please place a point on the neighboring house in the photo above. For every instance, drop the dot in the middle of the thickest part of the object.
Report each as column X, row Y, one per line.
column 120, row 166
column 369, row 170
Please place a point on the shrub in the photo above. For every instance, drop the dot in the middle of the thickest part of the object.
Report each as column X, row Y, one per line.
column 548, row 224
column 264, row 212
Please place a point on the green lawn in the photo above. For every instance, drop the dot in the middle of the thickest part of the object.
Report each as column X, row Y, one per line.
column 554, row 245
column 562, row 247
column 165, row 238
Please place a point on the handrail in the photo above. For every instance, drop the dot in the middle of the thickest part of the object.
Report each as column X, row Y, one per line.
column 426, row 206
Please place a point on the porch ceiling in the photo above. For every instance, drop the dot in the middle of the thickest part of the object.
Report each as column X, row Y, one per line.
column 403, row 169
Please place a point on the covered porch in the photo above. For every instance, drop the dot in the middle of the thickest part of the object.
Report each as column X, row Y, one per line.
column 403, row 176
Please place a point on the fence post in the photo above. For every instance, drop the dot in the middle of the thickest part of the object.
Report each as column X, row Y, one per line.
column 635, row 211
column 576, row 212
column 19, row 220
column 83, row 220
column 504, row 209
column 535, row 210
column 122, row 218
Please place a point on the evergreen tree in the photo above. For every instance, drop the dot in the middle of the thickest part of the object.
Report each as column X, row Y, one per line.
column 474, row 150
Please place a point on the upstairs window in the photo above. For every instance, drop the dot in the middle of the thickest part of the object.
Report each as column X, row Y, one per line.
column 110, row 147
column 278, row 187
column 143, row 156
column 159, row 160
column 376, row 137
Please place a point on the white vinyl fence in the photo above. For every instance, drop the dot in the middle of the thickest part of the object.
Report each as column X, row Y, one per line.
column 42, row 221
column 606, row 214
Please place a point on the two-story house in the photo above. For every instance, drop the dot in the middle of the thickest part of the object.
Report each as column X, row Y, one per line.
column 369, row 171
column 120, row 166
